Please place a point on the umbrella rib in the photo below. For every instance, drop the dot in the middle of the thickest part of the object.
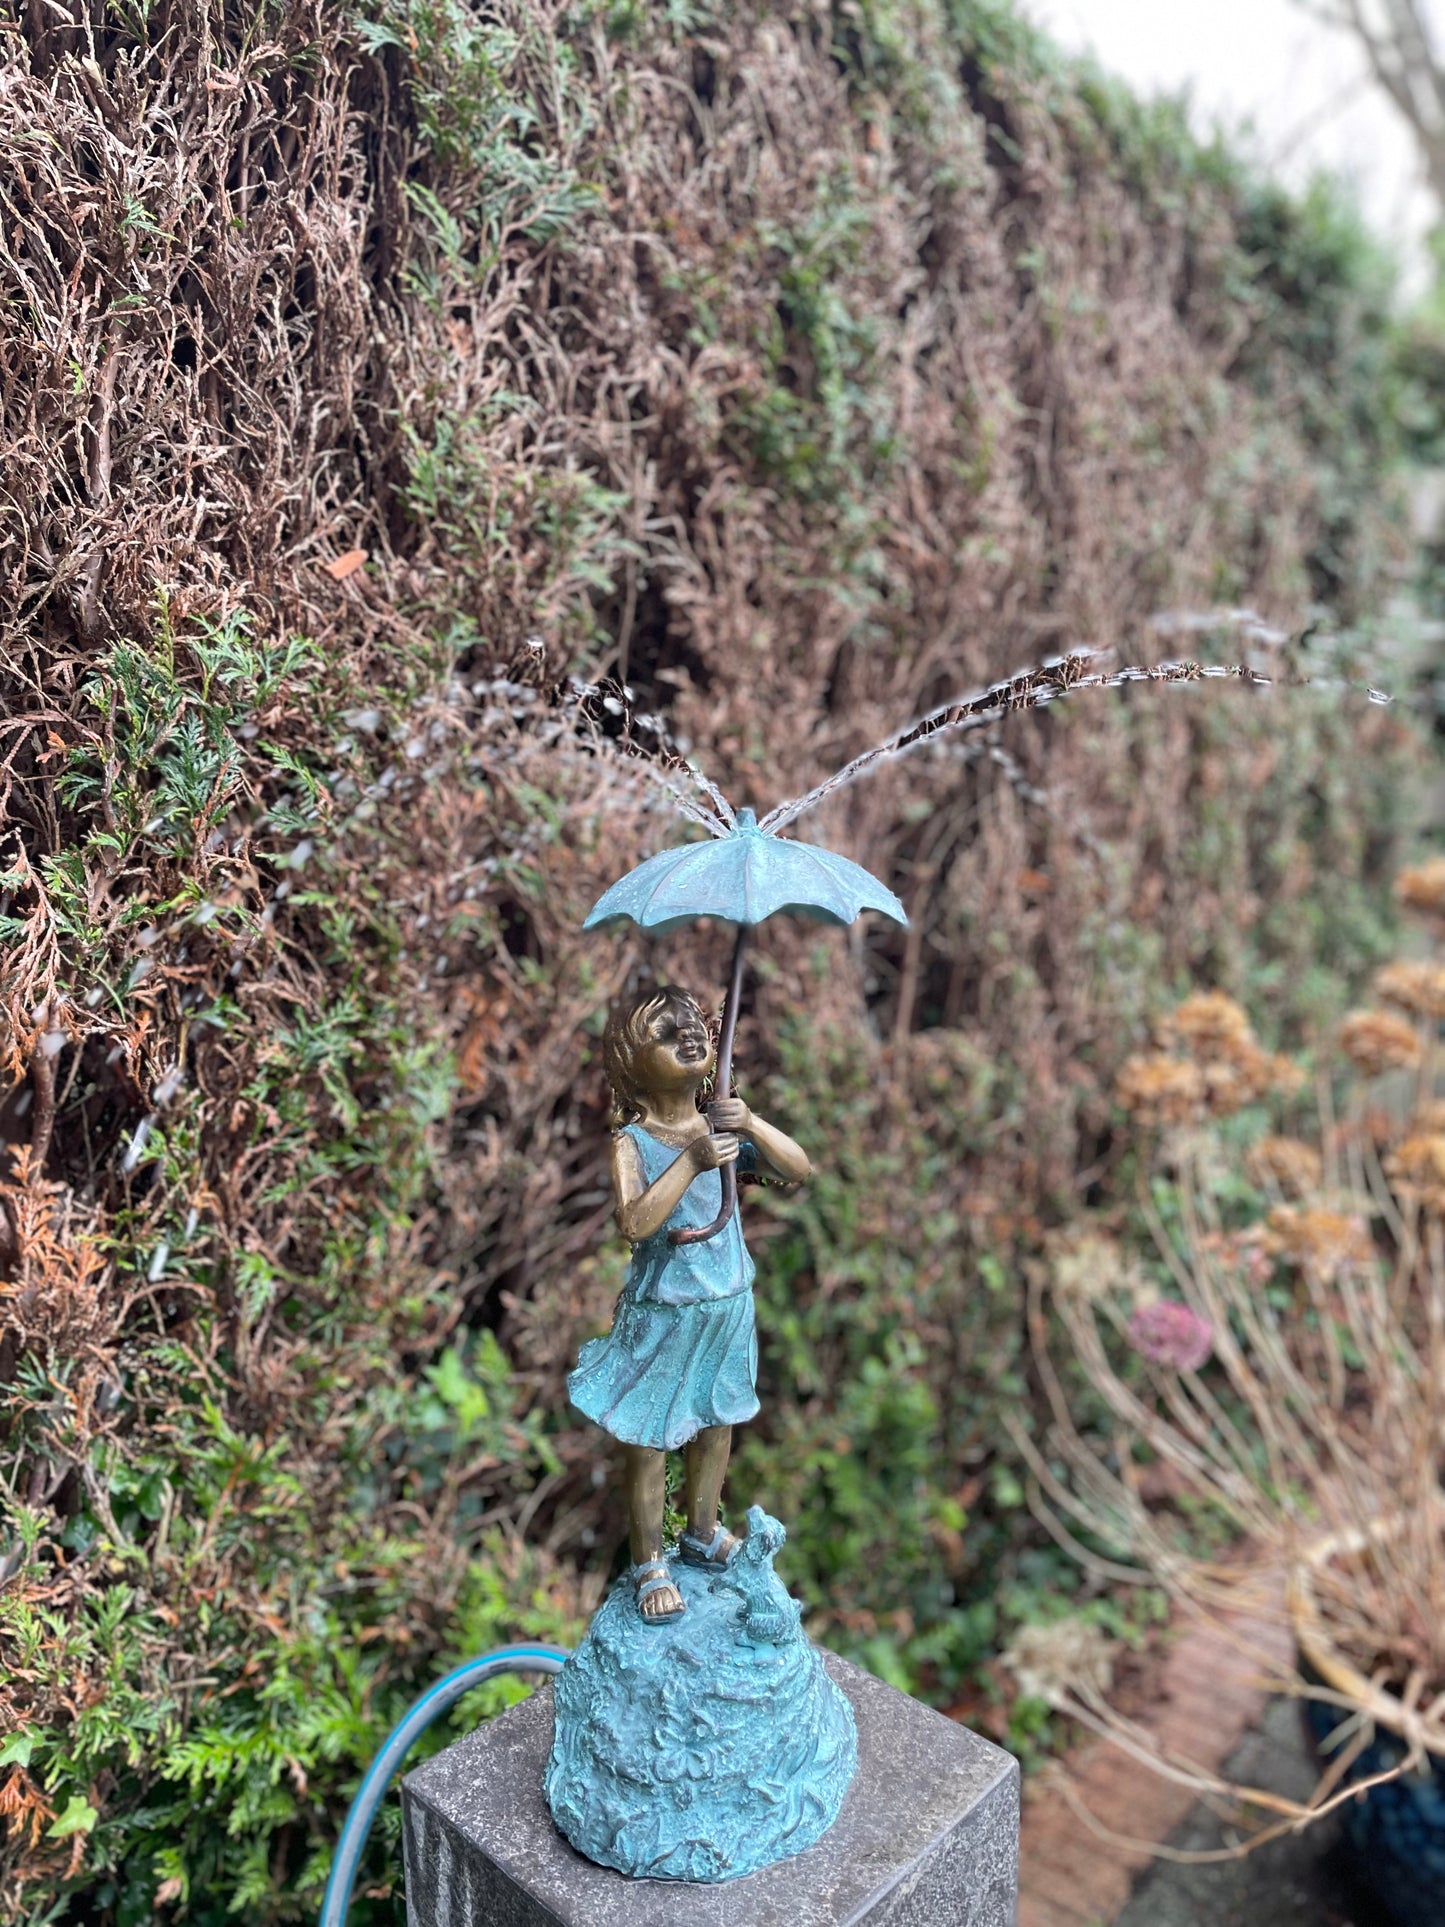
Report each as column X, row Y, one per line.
column 749, row 919
column 872, row 888
column 816, row 859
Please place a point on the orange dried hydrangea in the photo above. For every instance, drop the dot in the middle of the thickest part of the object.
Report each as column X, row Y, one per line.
column 1246, row 1077
column 1377, row 1040
column 1287, row 1162
column 1422, row 888
column 1209, row 1024
column 1415, row 985
column 1160, row 1089
column 1416, row 1168
column 1328, row 1241
column 1213, row 1030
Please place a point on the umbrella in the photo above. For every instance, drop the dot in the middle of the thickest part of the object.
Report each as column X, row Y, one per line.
column 743, row 876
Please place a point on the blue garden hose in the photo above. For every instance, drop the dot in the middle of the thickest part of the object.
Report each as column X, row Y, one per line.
column 372, row 1791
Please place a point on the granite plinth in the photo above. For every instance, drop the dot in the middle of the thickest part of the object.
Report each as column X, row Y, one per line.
column 927, row 1837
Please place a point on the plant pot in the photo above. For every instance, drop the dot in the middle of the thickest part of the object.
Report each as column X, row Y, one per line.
column 1396, row 1832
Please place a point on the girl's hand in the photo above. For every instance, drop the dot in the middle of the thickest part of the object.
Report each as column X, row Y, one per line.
column 718, row 1148
column 729, row 1114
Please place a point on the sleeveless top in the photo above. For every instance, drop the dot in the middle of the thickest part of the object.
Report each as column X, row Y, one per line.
column 668, row 1274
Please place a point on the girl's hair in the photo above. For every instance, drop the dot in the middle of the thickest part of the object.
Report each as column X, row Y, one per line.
column 629, row 1027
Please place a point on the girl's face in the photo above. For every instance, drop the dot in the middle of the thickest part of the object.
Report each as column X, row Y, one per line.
column 678, row 1053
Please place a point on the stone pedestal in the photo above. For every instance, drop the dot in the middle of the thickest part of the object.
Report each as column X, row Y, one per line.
column 928, row 1837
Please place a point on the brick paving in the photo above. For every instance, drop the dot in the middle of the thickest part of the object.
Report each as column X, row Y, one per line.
column 1073, row 1876
column 1304, row 1880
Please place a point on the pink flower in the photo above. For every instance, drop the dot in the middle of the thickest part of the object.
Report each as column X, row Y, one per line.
column 1168, row 1333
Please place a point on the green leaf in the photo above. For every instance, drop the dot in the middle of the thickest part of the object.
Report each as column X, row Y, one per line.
column 79, row 1817
column 17, row 1750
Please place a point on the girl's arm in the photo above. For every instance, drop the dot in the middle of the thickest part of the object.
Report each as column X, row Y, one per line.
column 778, row 1155
column 644, row 1208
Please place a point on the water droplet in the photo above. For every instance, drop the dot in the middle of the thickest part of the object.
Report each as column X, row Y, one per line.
column 136, row 1146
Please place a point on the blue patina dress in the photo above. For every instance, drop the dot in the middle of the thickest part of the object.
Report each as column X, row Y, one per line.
column 683, row 1350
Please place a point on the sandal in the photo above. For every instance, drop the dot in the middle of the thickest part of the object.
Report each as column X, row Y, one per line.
column 694, row 1551
column 647, row 1585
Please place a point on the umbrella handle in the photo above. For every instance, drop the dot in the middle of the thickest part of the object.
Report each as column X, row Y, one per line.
column 722, row 1083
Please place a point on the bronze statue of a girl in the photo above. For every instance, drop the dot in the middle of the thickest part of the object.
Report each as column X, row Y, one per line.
column 679, row 1366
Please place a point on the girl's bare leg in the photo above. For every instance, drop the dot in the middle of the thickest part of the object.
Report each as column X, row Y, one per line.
column 707, row 1463
column 646, row 1474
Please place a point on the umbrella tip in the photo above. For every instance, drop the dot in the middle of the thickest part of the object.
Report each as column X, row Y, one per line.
column 747, row 819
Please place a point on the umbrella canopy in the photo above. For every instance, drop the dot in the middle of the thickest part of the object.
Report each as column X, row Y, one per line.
column 744, row 878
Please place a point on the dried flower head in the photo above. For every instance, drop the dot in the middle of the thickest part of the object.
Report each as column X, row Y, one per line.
column 1422, row 888
column 1209, row 1024
column 1088, row 1266
column 1052, row 1662
column 1416, row 1168
column 1211, row 1030
column 1168, row 1333
column 1326, row 1241
column 1247, row 1253
column 1377, row 1040
column 1160, row 1089
column 1416, row 985
column 1286, row 1163
column 1245, row 1077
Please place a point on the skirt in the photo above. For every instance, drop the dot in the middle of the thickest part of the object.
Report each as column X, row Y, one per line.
column 664, row 1372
